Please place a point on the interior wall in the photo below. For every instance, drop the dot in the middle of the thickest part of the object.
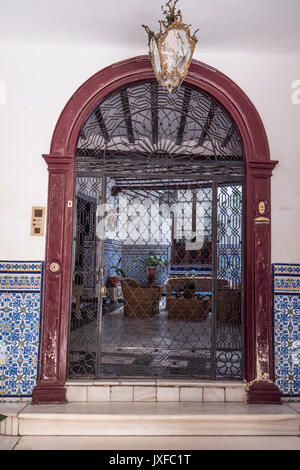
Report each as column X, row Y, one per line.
column 38, row 80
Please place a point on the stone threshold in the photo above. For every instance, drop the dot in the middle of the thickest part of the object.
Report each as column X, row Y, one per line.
column 157, row 390
column 152, row 419
column 154, row 443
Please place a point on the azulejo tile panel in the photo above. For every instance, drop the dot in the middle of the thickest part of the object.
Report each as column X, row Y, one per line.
column 20, row 317
column 286, row 284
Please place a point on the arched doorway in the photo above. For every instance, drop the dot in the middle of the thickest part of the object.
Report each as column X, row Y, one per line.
column 258, row 345
column 159, row 179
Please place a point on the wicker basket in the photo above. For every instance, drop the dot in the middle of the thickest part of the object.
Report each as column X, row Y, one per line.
column 188, row 309
column 140, row 301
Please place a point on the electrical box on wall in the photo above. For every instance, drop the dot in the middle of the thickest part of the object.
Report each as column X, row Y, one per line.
column 37, row 221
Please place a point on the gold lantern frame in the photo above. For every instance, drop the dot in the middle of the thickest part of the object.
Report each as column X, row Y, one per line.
column 173, row 21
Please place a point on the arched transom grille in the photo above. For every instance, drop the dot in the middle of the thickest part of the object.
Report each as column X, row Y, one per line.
column 145, row 129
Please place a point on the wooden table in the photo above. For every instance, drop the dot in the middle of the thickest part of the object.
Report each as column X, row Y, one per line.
column 189, row 309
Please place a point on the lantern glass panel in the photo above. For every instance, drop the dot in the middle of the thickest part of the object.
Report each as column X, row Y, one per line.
column 176, row 50
column 155, row 55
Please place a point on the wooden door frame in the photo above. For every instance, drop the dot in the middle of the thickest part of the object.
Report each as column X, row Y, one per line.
column 258, row 324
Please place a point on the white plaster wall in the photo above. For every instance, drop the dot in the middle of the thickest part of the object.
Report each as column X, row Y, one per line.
column 40, row 78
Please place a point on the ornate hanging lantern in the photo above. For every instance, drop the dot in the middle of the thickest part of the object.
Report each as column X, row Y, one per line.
column 171, row 50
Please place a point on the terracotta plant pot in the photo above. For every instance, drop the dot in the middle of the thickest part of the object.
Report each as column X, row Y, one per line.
column 151, row 274
column 188, row 294
column 114, row 281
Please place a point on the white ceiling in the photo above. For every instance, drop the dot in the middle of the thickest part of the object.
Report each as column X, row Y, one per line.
column 258, row 25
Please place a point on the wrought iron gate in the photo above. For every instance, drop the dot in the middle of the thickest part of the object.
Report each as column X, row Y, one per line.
column 159, row 180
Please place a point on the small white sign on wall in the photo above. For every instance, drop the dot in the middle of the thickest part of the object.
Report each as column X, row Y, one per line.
column 2, row 92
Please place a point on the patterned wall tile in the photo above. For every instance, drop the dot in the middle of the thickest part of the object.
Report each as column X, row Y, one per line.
column 20, row 318
column 112, row 256
column 134, row 262
column 286, row 284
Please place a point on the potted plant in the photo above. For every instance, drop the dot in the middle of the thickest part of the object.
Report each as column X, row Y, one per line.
column 152, row 261
column 115, row 280
column 192, row 273
column 189, row 290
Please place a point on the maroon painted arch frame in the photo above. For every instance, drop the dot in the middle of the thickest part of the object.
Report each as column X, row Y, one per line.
column 258, row 336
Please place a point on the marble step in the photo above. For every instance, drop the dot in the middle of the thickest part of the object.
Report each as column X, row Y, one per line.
column 156, row 390
column 159, row 419
column 10, row 425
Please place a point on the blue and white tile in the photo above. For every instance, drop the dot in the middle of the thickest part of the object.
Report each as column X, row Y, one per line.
column 20, row 318
column 286, row 283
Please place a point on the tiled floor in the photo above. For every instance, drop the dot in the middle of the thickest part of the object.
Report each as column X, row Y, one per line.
column 295, row 405
column 156, row 347
column 8, row 442
column 150, row 443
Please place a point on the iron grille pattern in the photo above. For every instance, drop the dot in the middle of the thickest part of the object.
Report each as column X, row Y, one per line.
column 157, row 174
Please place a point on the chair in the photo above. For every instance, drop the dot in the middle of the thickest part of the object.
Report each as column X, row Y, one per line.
column 229, row 306
column 77, row 292
column 140, row 301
